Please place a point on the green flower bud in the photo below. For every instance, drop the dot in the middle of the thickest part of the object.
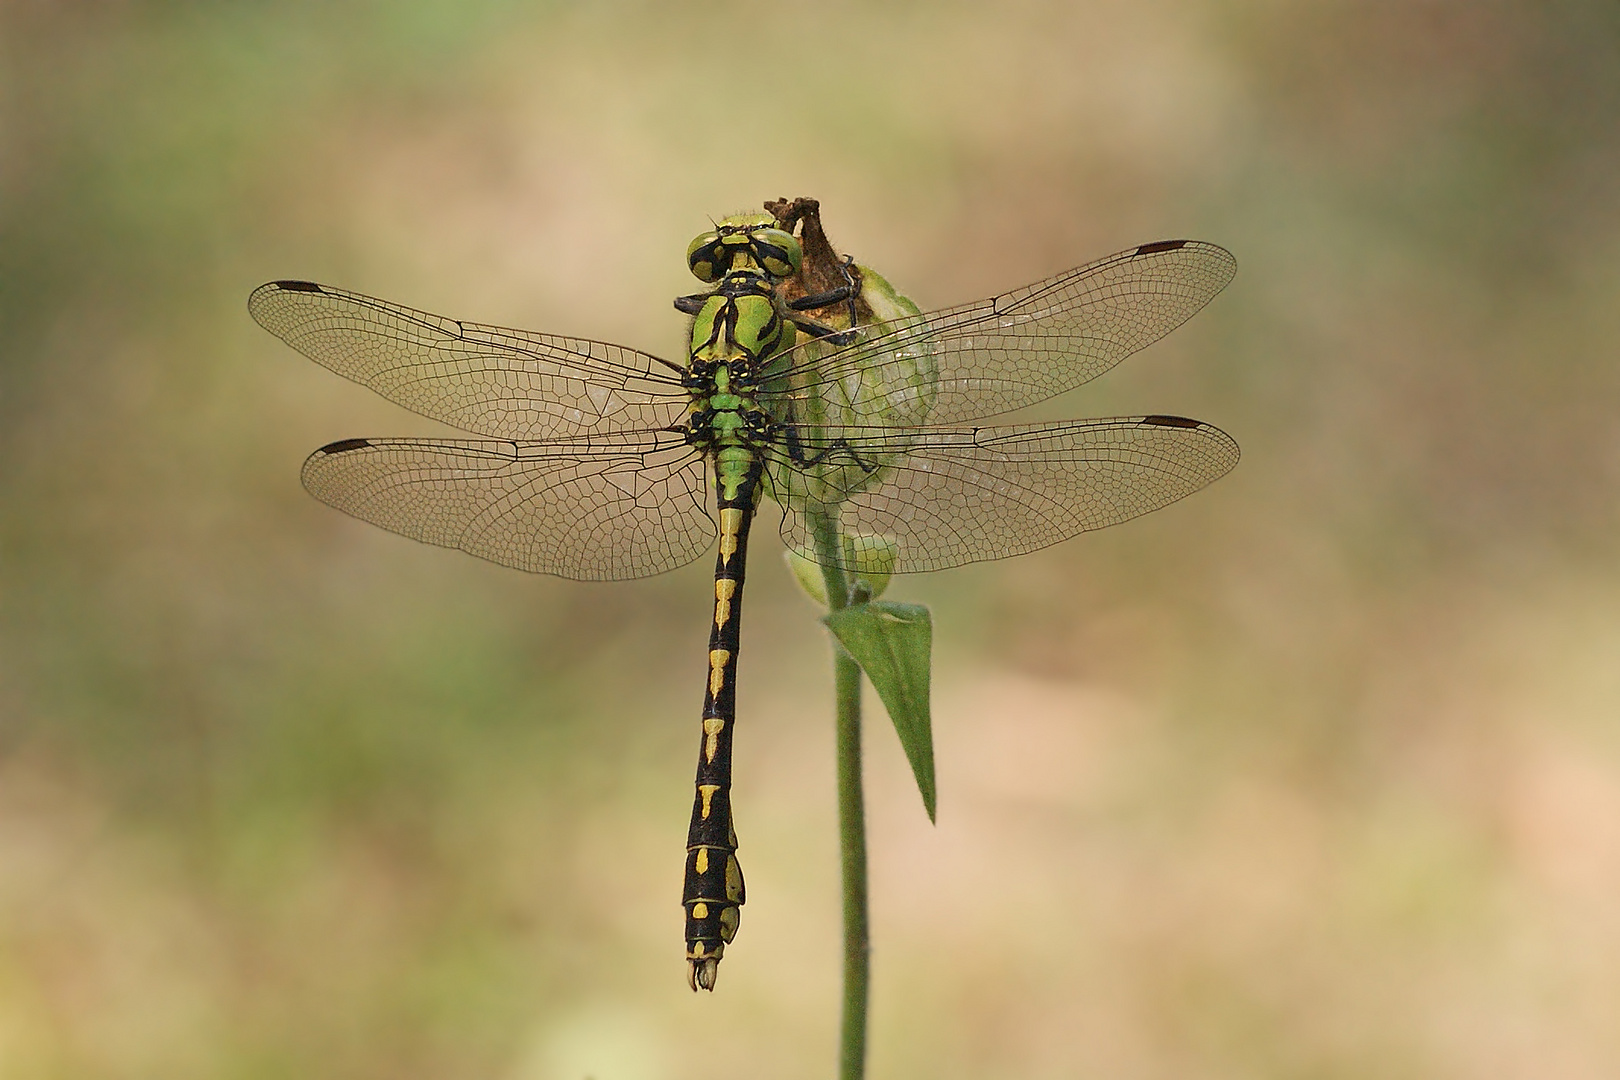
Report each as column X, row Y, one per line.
column 868, row 561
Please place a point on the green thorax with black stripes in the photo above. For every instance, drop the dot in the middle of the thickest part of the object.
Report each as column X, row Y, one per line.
column 736, row 332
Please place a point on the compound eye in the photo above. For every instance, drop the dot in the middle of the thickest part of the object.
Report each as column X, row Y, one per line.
column 777, row 252
column 705, row 259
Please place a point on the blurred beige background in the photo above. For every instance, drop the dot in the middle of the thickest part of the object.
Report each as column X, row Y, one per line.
column 1315, row 774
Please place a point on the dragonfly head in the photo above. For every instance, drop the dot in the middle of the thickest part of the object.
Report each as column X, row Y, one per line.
column 744, row 242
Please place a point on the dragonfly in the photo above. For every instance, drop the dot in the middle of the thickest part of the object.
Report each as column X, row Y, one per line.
column 599, row 462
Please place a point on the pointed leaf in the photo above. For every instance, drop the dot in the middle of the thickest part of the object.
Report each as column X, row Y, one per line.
column 892, row 642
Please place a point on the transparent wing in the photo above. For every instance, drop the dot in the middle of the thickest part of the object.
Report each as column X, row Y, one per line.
column 507, row 384
column 622, row 507
column 951, row 496
column 1009, row 351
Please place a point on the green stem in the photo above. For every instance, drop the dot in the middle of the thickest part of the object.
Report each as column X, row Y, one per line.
column 851, row 819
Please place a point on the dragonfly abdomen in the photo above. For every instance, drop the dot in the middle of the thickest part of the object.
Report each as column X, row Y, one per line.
column 713, row 893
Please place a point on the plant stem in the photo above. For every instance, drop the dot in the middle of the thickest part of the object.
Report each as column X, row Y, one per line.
column 851, row 819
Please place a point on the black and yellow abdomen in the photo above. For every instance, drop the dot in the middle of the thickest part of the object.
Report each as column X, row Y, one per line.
column 713, row 891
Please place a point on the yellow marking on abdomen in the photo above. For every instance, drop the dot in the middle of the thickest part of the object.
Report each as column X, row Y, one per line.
column 701, row 863
column 718, row 658
column 700, row 910
column 724, row 590
column 731, row 520
column 706, row 793
column 712, row 727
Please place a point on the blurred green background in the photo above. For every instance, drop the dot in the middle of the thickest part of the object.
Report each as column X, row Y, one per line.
column 1316, row 774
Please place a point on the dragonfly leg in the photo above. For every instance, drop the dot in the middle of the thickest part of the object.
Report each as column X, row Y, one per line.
column 847, row 293
column 824, row 299
column 822, row 330
column 690, row 305
column 801, row 457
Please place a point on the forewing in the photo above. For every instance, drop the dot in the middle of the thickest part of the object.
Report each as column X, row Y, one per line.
column 601, row 510
column 507, row 384
column 1010, row 351
column 955, row 496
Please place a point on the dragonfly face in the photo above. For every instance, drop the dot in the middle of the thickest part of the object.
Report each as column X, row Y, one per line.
column 744, row 240
column 595, row 461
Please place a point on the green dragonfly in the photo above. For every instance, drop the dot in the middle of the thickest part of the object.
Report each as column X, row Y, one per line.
column 598, row 462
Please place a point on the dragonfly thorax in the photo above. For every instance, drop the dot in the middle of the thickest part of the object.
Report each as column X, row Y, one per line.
column 736, row 330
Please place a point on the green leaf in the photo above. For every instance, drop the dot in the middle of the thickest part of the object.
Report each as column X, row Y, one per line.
column 892, row 643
